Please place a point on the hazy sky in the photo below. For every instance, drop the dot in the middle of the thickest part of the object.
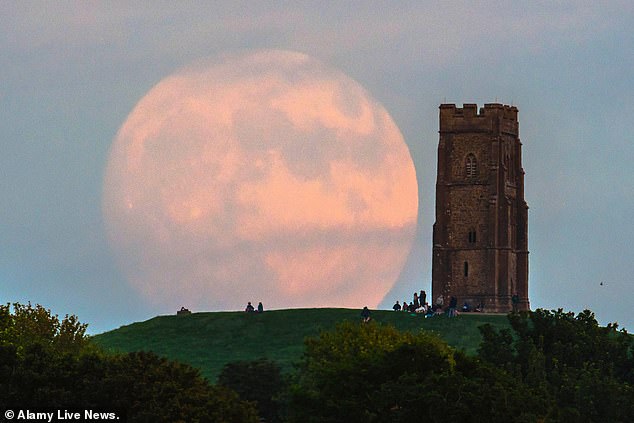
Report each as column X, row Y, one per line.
column 71, row 72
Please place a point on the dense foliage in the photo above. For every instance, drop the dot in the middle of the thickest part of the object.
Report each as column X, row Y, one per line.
column 584, row 371
column 552, row 366
column 374, row 373
column 45, row 362
column 258, row 381
column 28, row 325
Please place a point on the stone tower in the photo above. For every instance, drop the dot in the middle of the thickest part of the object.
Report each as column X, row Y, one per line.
column 480, row 251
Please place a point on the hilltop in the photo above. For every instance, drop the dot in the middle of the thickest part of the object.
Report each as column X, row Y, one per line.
column 210, row 340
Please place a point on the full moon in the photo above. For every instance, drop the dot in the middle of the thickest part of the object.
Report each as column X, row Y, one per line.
column 265, row 176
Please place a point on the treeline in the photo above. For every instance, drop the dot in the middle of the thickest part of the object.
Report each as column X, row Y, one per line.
column 49, row 363
column 553, row 366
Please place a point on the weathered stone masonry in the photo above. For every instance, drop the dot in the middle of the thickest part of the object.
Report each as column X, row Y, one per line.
column 480, row 246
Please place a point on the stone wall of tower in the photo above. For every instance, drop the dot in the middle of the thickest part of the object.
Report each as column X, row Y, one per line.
column 480, row 247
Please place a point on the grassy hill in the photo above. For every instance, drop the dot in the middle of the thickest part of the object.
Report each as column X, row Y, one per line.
column 210, row 340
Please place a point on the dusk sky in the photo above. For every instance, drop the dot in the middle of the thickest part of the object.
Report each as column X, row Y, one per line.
column 71, row 73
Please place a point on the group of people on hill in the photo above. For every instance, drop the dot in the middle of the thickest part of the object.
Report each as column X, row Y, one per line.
column 419, row 304
column 250, row 309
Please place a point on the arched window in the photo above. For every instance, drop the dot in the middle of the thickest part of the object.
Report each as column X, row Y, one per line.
column 471, row 166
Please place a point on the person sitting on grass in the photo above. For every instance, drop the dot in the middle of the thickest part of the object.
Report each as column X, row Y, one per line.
column 249, row 308
column 396, row 307
column 430, row 311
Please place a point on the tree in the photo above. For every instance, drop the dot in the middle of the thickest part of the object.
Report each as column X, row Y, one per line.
column 586, row 370
column 153, row 388
column 48, row 363
column 374, row 373
column 259, row 381
column 27, row 325
column 36, row 350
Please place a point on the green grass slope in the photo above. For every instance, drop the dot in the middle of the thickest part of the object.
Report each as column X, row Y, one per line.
column 210, row 340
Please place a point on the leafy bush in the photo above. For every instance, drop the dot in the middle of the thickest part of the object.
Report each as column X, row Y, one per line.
column 48, row 363
column 584, row 369
column 27, row 325
column 258, row 381
column 374, row 373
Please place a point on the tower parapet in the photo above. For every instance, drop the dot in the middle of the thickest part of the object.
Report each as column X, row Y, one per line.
column 492, row 117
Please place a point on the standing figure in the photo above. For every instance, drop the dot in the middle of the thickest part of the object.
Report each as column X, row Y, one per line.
column 365, row 314
column 453, row 305
column 515, row 299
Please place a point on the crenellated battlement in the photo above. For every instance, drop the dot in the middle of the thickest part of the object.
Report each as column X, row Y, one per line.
column 491, row 117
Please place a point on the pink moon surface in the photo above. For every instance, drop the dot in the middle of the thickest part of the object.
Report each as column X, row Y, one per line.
column 266, row 176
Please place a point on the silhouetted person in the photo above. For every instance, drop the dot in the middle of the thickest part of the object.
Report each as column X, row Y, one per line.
column 365, row 314
column 396, row 307
column 260, row 307
column 422, row 297
column 515, row 300
column 405, row 306
column 453, row 304
column 249, row 308
column 415, row 303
